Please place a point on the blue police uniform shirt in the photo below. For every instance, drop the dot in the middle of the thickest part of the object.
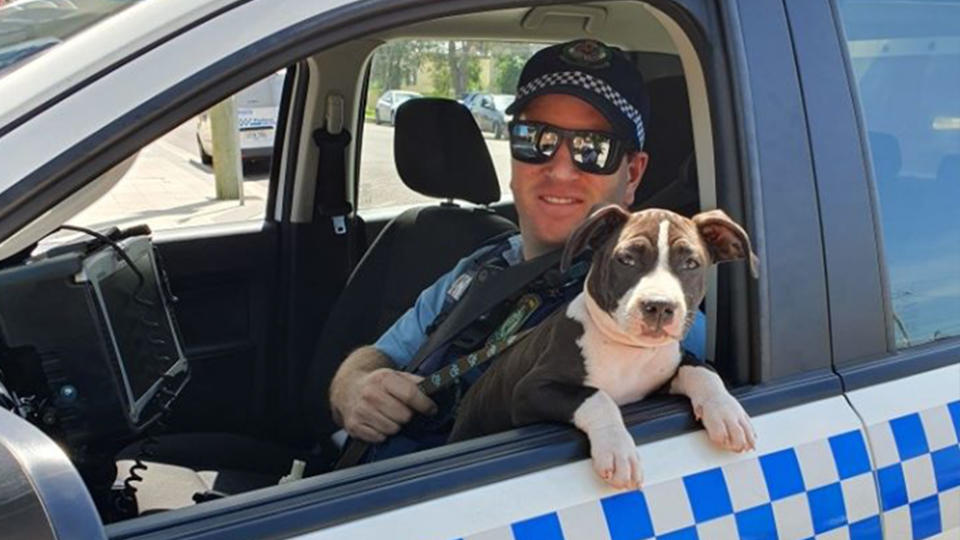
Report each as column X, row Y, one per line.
column 402, row 340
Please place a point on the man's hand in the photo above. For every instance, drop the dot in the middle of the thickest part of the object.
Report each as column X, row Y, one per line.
column 373, row 404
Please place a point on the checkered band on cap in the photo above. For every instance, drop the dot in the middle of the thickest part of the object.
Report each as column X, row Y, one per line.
column 588, row 82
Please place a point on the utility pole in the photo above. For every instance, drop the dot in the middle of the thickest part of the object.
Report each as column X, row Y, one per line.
column 227, row 166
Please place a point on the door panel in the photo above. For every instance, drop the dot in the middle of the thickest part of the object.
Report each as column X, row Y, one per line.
column 913, row 425
column 224, row 288
column 806, row 477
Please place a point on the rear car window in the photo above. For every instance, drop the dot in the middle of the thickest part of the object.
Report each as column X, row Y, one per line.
column 906, row 61
column 413, row 68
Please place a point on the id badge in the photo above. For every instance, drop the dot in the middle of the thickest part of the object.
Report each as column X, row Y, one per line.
column 459, row 287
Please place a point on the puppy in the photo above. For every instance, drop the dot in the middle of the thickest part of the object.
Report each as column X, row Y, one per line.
column 618, row 340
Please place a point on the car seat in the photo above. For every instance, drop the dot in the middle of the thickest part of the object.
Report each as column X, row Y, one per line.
column 670, row 180
column 434, row 141
column 439, row 152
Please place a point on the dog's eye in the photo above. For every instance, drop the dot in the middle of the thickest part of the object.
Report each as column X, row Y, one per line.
column 626, row 259
column 691, row 264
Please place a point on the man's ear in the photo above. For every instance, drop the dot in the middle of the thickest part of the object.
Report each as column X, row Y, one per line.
column 636, row 165
column 593, row 232
column 726, row 240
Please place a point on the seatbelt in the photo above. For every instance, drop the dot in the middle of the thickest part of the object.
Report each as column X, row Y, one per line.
column 484, row 294
column 505, row 337
column 331, row 201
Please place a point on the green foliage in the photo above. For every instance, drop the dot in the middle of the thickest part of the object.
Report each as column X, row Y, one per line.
column 508, row 68
column 395, row 65
column 440, row 76
column 447, row 68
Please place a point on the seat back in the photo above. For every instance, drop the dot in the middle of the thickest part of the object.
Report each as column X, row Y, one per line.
column 439, row 152
column 670, row 180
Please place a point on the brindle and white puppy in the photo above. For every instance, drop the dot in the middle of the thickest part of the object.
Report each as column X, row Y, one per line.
column 618, row 340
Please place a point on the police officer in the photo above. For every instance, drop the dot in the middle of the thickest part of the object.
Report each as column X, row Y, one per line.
column 576, row 141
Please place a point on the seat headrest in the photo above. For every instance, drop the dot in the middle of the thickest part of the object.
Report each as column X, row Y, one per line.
column 440, row 152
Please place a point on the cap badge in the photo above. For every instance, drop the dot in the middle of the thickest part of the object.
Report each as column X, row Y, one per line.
column 586, row 53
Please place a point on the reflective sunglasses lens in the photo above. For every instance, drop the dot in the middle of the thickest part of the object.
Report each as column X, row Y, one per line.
column 548, row 142
column 523, row 142
column 591, row 151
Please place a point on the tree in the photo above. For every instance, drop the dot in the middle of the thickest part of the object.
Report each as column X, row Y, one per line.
column 396, row 64
column 463, row 59
column 508, row 68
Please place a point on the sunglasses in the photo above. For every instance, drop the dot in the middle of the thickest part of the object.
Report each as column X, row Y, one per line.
column 594, row 152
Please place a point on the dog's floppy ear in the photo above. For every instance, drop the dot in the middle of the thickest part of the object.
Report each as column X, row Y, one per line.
column 593, row 232
column 726, row 240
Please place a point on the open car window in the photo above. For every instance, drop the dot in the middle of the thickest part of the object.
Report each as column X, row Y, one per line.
column 413, row 68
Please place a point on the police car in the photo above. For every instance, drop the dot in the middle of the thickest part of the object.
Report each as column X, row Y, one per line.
column 830, row 128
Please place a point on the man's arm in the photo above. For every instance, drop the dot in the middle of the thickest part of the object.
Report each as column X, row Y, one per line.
column 369, row 397
column 371, row 400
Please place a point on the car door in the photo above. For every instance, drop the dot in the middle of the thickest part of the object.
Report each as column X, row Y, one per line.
column 225, row 276
column 810, row 474
column 383, row 107
column 879, row 101
column 480, row 105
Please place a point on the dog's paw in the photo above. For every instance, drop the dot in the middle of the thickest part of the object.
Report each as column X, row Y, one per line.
column 615, row 457
column 727, row 424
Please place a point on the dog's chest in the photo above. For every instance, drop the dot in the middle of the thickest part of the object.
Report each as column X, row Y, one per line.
column 627, row 374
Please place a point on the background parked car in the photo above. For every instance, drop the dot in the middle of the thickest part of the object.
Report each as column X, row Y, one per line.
column 257, row 107
column 488, row 111
column 467, row 99
column 388, row 103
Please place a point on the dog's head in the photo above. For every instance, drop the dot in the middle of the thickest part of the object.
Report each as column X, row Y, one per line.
column 649, row 270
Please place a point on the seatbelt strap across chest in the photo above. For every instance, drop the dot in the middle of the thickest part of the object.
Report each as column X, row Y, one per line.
column 502, row 339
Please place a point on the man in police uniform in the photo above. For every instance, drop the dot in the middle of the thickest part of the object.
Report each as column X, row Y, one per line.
column 576, row 141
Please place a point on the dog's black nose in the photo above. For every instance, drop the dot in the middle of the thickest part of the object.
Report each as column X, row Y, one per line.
column 658, row 313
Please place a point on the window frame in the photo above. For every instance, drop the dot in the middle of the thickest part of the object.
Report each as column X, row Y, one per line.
column 353, row 493
column 736, row 116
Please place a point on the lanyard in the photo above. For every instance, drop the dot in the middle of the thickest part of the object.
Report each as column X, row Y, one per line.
column 502, row 339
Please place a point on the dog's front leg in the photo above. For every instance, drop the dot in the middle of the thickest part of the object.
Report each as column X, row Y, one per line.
column 612, row 449
column 727, row 424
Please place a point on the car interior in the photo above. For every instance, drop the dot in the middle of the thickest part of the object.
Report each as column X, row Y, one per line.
column 266, row 313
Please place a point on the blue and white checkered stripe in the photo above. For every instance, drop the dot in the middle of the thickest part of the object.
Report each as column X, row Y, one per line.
column 917, row 458
column 249, row 122
column 822, row 489
column 588, row 82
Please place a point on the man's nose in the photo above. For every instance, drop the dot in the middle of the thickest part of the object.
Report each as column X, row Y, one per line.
column 658, row 313
column 560, row 166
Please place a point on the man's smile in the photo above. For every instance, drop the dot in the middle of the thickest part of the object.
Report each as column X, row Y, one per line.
column 559, row 200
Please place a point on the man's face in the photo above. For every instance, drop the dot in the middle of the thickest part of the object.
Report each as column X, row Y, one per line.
column 552, row 198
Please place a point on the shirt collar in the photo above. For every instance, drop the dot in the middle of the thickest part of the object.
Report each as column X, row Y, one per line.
column 514, row 252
